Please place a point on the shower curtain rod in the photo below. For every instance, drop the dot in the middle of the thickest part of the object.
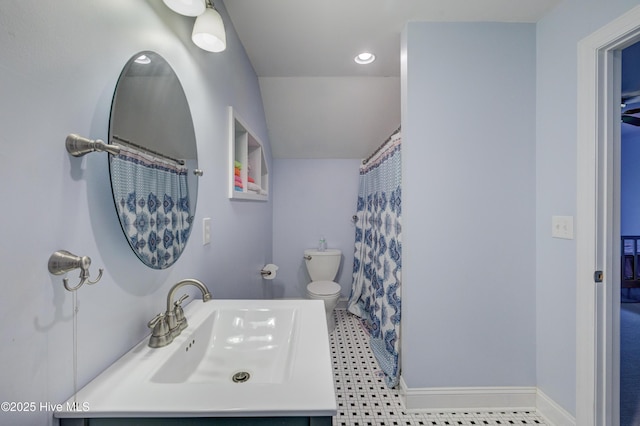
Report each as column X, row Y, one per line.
column 366, row 160
column 147, row 150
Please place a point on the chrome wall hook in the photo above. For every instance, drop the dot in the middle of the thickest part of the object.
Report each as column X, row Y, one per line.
column 63, row 261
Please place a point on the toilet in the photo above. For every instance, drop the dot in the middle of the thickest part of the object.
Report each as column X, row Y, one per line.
column 323, row 267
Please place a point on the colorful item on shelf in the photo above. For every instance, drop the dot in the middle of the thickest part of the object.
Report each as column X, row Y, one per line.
column 238, row 185
column 254, row 188
column 250, row 179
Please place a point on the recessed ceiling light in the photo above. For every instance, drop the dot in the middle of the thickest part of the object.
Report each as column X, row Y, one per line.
column 143, row 59
column 365, row 58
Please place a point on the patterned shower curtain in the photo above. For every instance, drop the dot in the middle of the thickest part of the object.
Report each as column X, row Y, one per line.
column 377, row 264
column 152, row 200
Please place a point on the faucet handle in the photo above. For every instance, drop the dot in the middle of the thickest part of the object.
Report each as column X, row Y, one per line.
column 181, row 321
column 179, row 301
column 160, row 334
column 158, row 318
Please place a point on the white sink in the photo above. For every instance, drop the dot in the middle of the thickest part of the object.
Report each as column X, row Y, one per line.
column 249, row 344
column 276, row 350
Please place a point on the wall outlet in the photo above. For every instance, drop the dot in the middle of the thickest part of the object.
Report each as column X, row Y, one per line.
column 562, row 227
column 206, row 231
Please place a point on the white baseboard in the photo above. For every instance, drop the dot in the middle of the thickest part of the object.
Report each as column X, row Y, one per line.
column 552, row 412
column 484, row 399
column 477, row 398
column 342, row 303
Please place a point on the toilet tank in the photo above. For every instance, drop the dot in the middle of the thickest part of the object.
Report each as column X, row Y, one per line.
column 322, row 265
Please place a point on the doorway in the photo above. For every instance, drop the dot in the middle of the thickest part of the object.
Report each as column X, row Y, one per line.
column 598, row 231
column 630, row 241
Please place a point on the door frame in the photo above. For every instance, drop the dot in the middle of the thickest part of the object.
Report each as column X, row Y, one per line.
column 598, row 223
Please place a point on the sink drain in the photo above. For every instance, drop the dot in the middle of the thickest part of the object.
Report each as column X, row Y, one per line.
column 241, row 377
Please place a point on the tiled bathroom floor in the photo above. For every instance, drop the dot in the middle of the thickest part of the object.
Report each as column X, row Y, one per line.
column 364, row 399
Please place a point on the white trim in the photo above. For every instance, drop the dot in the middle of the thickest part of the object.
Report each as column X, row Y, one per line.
column 342, row 303
column 595, row 324
column 477, row 398
column 417, row 400
column 552, row 412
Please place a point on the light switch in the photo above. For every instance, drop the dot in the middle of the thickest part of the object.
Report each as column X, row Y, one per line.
column 206, row 231
column 562, row 227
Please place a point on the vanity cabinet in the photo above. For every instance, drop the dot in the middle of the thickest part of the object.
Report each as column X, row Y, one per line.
column 202, row 421
column 248, row 171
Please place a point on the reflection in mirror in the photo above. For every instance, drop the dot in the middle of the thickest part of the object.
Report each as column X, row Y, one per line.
column 152, row 178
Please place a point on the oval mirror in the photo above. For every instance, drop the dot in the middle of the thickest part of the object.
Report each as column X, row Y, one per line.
column 153, row 177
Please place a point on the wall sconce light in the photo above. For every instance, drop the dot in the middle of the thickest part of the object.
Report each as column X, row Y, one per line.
column 208, row 30
column 186, row 7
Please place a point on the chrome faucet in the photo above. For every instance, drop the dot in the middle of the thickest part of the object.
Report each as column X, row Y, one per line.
column 169, row 325
column 170, row 314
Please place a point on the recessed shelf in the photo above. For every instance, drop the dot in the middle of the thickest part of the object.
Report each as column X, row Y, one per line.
column 248, row 171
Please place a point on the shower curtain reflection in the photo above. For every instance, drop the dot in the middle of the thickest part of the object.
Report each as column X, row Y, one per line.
column 152, row 200
column 377, row 265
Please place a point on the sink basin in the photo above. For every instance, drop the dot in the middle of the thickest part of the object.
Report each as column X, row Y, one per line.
column 236, row 358
column 235, row 345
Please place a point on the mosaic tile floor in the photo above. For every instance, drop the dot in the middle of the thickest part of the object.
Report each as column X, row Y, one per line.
column 364, row 399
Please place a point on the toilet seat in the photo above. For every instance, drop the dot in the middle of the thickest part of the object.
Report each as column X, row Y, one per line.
column 324, row 288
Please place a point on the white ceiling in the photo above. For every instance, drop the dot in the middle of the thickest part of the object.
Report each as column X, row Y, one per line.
column 318, row 102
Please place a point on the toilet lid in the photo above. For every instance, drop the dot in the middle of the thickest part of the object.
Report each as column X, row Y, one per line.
column 324, row 288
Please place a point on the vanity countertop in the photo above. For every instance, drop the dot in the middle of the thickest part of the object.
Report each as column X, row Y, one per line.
column 130, row 387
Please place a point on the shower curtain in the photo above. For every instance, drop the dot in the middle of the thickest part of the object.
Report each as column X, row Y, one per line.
column 377, row 264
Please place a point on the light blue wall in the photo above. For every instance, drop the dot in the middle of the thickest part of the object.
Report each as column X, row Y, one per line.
column 468, row 124
column 557, row 37
column 312, row 198
column 59, row 62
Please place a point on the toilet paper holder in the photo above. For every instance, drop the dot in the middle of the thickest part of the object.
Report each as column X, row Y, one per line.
column 269, row 271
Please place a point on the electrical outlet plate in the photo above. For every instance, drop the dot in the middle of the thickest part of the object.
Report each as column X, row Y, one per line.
column 206, row 231
column 562, row 227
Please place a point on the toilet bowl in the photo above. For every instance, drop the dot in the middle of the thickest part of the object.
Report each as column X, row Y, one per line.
column 329, row 292
column 323, row 267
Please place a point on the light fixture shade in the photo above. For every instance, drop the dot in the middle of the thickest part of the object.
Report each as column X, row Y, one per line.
column 208, row 31
column 186, row 7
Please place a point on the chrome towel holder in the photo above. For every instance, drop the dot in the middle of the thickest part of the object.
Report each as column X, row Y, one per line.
column 63, row 261
column 79, row 146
